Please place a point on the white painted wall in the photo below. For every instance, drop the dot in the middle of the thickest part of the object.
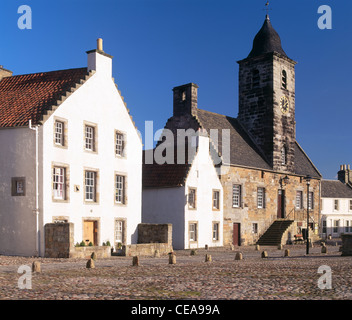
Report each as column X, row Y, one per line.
column 330, row 215
column 97, row 101
column 169, row 205
column 203, row 177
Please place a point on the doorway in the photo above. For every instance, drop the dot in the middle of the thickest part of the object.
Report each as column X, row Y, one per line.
column 281, row 204
column 236, row 241
column 90, row 232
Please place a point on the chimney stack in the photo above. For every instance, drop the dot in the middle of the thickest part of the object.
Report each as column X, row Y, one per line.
column 186, row 99
column 4, row 73
column 100, row 61
column 345, row 174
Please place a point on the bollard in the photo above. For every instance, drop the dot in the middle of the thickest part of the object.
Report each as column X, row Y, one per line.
column 135, row 261
column 264, row 254
column 324, row 249
column 208, row 258
column 157, row 253
column 93, row 256
column 36, row 266
column 238, row 256
column 287, row 253
column 257, row 247
column 193, row 252
column 90, row 264
column 280, row 247
column 172, row 258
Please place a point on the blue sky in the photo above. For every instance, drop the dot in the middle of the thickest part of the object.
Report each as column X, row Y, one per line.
column 160, row 44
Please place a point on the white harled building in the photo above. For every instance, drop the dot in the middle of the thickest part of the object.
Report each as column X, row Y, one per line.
column 69, row 153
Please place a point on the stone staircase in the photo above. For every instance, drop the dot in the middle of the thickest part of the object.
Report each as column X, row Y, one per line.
column 273, row 235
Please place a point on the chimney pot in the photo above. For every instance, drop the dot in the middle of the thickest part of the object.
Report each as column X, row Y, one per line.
column 100, row 44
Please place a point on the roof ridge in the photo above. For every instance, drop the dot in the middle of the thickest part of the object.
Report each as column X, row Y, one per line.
column 41, row 72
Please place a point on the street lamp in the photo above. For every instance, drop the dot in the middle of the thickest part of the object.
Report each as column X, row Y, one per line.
column 307, row 179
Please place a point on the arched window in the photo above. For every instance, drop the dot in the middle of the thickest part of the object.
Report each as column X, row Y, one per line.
column 255, row 78
column 284, row 79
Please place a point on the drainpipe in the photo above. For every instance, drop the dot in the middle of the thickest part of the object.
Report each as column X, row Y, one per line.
column 36, row 210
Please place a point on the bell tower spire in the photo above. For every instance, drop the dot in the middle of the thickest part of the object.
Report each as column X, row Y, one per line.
column 267, row 98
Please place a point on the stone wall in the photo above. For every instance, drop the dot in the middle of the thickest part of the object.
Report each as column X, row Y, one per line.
column 58, row 240
column 155, row 233
column 146, row 249
column 346, row 249
column 59, row 243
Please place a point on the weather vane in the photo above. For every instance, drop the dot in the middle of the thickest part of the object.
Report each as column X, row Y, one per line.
column 267, row 7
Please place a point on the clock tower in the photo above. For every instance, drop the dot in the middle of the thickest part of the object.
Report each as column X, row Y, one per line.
column 267, row 98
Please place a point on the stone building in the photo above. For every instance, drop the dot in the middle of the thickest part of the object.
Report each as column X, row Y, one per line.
column 263, row 168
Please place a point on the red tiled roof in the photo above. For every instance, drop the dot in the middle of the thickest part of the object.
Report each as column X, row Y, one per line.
column 28, row 97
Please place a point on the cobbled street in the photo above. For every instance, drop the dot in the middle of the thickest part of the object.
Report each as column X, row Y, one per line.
column 253, row 278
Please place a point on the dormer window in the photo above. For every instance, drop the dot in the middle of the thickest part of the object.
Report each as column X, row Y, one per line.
column 284, row 79
column 255, row 79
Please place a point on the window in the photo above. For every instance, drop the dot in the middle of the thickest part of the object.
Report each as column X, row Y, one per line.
column 255, row 79
column 90, row 186
column 216, row 199
column 255, row 228
column 283, row 155
column 216, row 231
column 261, row 198
column 59, row 133
column 119, row 231
column 193, row 232
column 59, row 183
column 336, row 226
column 284, row 79
column 347, row 226
column 183, row 95
column 236, row 196
column 18, row 186
column 311, row 200
column 120, row 144
column 336, row 205
column 192, row 198
column 299, row 199
column 90, row 138
column 120, row 189
column 350, row 205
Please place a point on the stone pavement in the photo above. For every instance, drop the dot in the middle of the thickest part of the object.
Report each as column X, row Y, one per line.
column 253, row 278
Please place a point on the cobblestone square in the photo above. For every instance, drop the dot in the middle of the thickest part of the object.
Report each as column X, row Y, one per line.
column 224, row 278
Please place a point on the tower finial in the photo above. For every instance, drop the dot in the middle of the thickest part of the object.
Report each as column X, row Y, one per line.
column 267, row 9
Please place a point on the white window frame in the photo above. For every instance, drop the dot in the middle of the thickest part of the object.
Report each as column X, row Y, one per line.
column 299, row 199
column 192, row 198
column 255, row 228
column 59, row 133
column 216, row 200
column 311, row 200
column 236, row 196
column 350, row 205
column 193, row 232
column 120, row 142
column 336, row 226
column 119, row 230
column 336, row 204
column 261, row 197
column 59, row 183
column 90, row 185
column 89, row 134
column 120, row 188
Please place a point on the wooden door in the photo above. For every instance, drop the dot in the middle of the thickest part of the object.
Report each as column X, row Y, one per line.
column 281, row 204
column 236, row 234
column 90, row 232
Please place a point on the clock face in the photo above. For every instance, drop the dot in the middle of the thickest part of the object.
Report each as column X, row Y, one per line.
column 284, row 104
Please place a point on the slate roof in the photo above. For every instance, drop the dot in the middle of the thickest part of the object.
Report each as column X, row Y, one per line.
column 167, row 175
column 335, row 189
column 267, row 40
column 30, row 96
column 243, row 151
